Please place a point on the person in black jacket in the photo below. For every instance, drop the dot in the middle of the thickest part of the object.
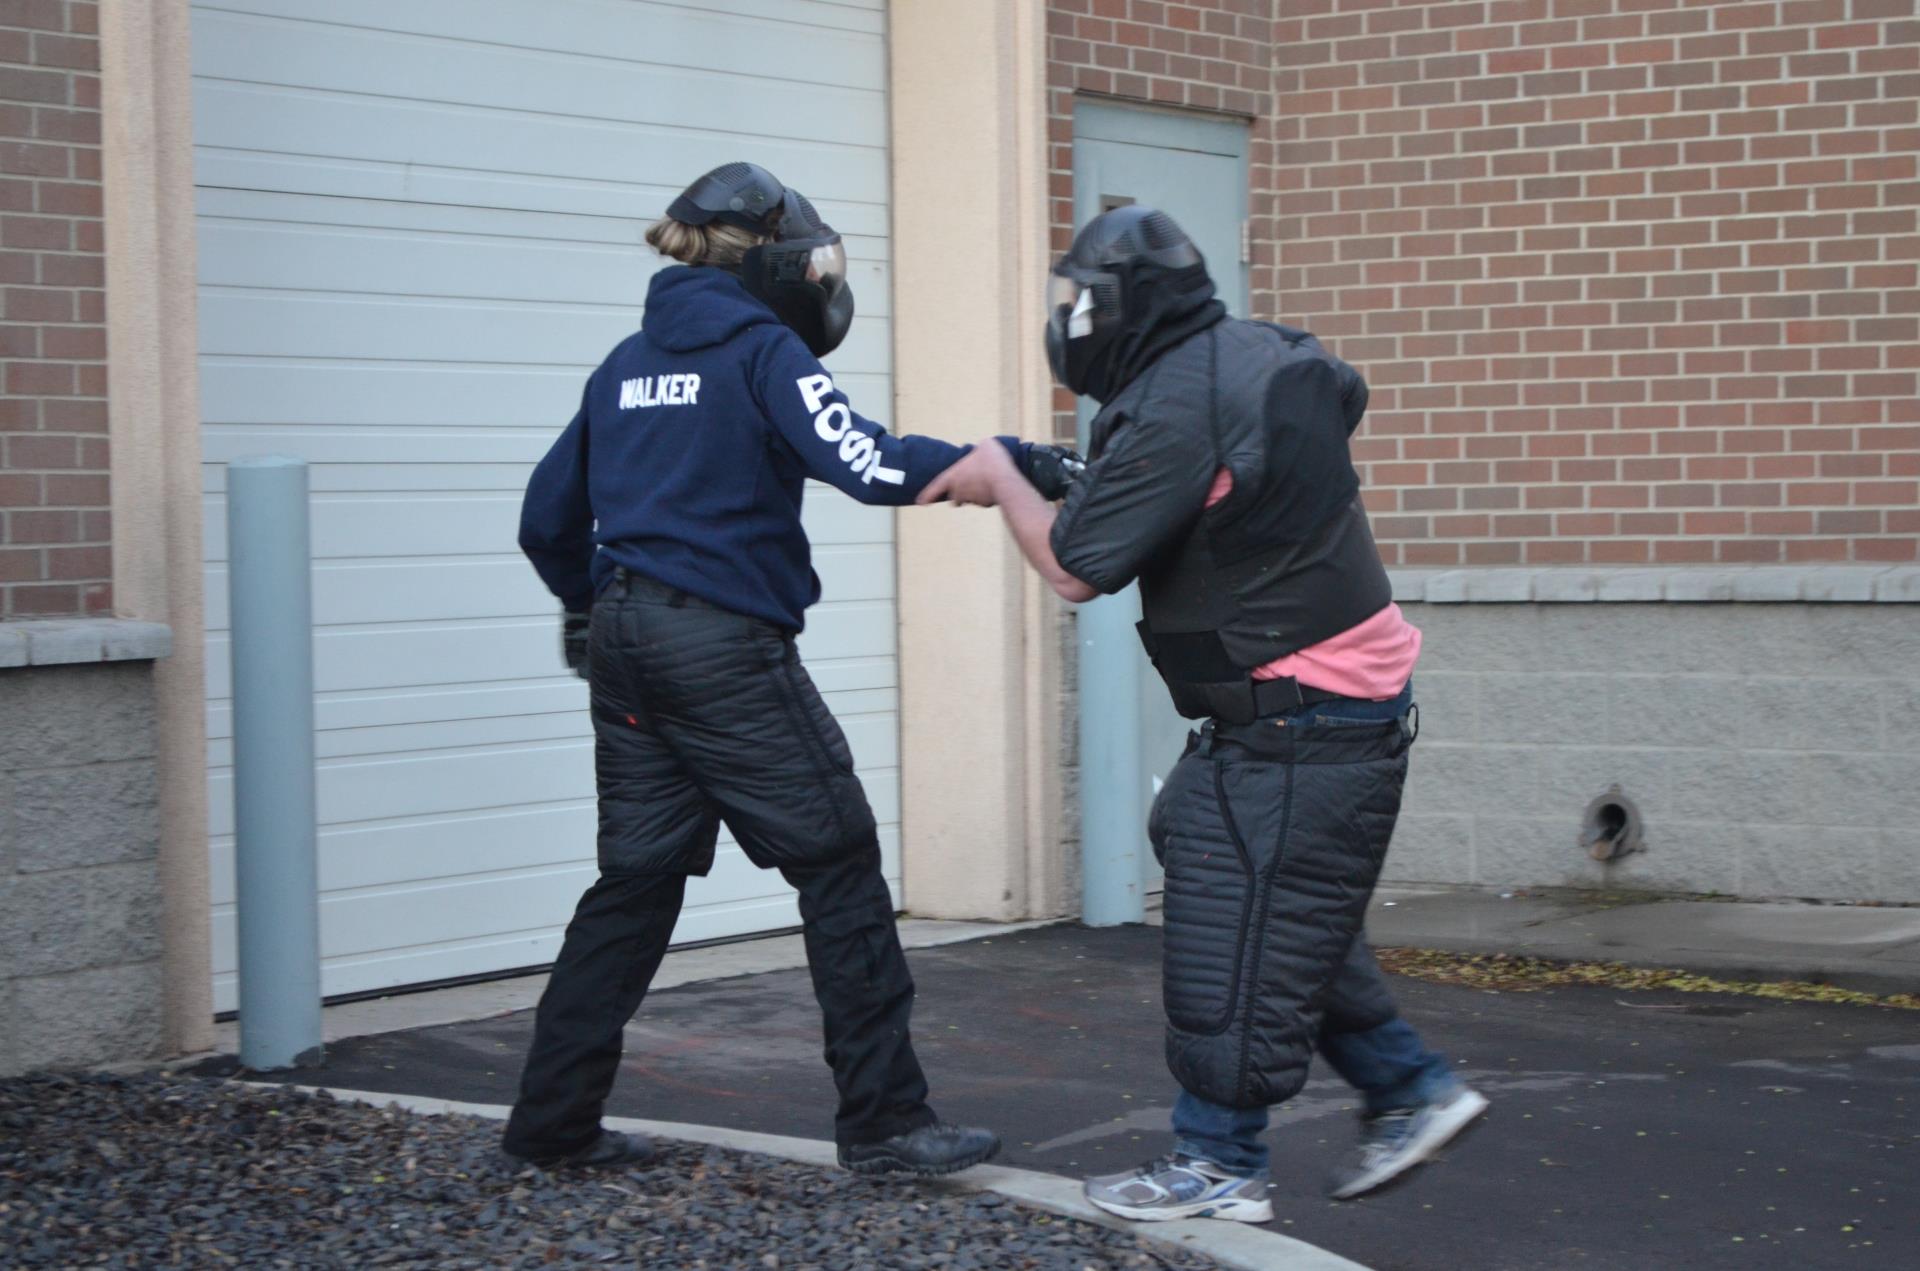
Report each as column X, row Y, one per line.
column 666, row 519
column 1219, row 478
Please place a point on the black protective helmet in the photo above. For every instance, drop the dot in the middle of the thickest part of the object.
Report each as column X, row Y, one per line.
column 800, row 272
column 1127, row 269
column 744, row 195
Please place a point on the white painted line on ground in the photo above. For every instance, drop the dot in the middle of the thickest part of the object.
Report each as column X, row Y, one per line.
column 1231, row 1244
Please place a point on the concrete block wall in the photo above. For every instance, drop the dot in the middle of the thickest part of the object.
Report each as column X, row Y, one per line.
column 1770, row 748
column 80, row 901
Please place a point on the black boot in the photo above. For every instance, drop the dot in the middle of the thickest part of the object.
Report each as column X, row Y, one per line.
column 612, row 1148
column 928, row 1152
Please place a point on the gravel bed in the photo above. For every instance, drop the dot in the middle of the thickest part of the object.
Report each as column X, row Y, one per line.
column 175, row 1171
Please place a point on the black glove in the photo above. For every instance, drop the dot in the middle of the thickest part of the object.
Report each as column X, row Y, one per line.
column 1051, row 470
column 573, row 641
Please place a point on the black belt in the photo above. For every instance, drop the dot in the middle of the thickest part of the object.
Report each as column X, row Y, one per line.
column 1243, row 701
column 634, row 586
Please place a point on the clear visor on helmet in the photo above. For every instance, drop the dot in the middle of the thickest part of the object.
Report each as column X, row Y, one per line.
column 827, row 264
column 1069, row 307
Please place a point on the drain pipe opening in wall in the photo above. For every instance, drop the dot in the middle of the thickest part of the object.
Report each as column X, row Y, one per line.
column 1611, row 827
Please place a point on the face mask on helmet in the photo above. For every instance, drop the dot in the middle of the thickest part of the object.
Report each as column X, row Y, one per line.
column 802, row 276
column 1084, row 312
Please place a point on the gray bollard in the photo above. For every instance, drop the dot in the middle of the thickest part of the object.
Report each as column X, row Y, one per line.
column 1111, row 887
column 269, row 571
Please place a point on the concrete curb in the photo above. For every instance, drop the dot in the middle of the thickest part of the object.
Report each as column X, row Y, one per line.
column 1233, row 1245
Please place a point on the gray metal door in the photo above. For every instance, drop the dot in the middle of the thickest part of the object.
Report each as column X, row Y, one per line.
column 1195, row 169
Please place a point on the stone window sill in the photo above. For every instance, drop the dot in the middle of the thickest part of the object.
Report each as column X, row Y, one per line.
column 72, row 641
column 1573, row 584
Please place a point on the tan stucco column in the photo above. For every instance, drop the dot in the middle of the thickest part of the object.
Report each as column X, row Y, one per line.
column 978, row 632
column 154, row 421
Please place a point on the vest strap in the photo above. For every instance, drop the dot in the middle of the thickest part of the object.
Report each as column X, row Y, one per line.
column 1185, row 663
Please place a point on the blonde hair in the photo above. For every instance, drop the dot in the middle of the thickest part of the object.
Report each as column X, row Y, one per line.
column 711, row 244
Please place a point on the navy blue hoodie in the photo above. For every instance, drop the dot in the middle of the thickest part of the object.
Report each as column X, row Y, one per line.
column 701, row 431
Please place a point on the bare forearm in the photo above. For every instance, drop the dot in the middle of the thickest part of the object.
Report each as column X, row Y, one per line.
column 1030, row 519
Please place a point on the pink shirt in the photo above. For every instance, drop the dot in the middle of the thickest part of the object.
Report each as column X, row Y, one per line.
column 1372, row 661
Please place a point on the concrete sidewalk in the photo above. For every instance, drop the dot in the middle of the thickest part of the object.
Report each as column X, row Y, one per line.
column 1874, row 950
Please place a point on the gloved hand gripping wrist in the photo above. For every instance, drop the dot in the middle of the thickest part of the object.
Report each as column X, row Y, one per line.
column 1051, row 470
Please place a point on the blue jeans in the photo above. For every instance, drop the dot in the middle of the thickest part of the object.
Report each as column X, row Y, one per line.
column 1389, row 1064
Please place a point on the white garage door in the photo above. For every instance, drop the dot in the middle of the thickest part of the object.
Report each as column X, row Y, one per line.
column 420, row 227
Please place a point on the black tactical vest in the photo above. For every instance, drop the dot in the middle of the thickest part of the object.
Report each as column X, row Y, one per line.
column 1287, row 559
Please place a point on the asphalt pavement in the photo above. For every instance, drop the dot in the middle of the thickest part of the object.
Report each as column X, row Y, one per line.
column 1629, row 1131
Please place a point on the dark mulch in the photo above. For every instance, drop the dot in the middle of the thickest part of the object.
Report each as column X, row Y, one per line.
column 168, row 1171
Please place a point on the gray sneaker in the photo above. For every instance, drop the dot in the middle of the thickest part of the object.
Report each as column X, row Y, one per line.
column 1394, row 1142
column 1181, row 1187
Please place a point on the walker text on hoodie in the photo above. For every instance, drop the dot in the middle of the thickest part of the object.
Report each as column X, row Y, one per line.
column 660, row 390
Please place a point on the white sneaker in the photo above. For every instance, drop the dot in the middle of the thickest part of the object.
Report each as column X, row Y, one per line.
column 1181, row 1187
column 1394, row 1142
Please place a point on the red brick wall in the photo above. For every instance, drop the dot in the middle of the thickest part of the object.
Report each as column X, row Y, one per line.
column 1633, row 280
column 54, row 523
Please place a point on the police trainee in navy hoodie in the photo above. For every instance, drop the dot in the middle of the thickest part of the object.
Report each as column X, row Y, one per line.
column 670, row 506
column 704, row 427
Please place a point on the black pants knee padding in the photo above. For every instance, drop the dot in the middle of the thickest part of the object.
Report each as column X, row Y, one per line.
column 1270, row 861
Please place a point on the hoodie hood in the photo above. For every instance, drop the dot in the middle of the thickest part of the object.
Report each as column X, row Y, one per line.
column 698, row 306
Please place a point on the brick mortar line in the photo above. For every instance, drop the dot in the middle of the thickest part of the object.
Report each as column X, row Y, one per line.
column 1581, row 40
column 1824, row 346
column 1559, row 484
column 143, row 964
column 1584, row 20
column 1588, row 380
column 1614, row 115
column 1852, row 51
column 1489, row 257
column 1614, row 221
column 1432, row 183
column 1713, row 166
column 1613, row 96
column 1742, row 85
column 1485, row 104
column 1852, row 538
column 1857, row 343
